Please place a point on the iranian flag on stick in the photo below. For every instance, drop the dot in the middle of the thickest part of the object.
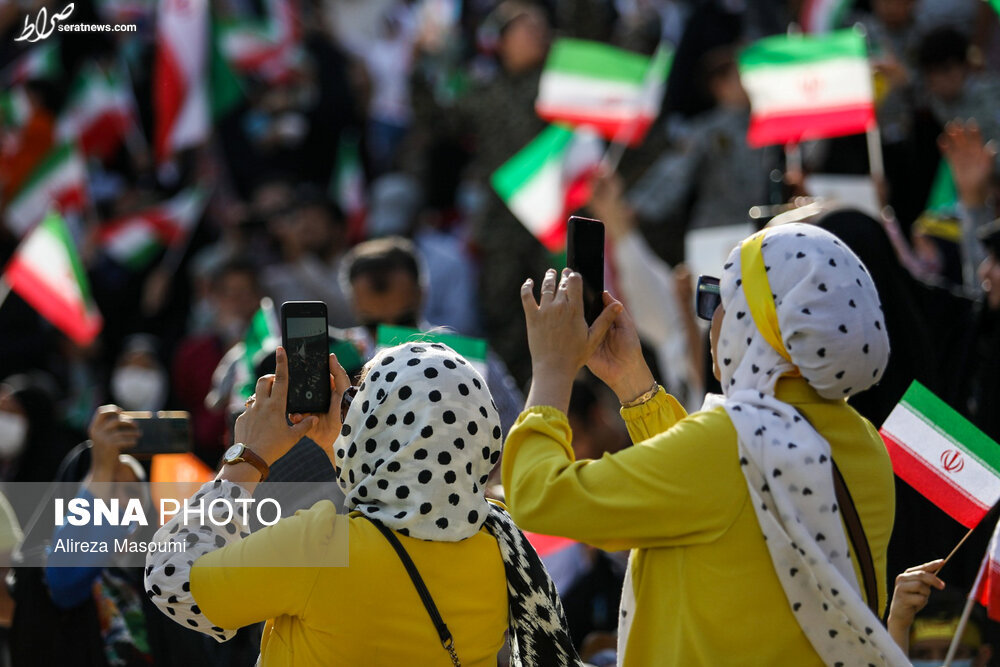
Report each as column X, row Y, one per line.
column 47, row 273
column 180, row 86
column 548, row 180
column 806, row 87
column 941, row 455
column 269, row 48
column 615, row 91
column 989, row 590
column 59, row 181
column 133, row 240
column 99, row 112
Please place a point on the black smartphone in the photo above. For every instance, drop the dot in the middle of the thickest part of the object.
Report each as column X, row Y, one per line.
column 164, row 432
column 585, row 255
column 305, row 339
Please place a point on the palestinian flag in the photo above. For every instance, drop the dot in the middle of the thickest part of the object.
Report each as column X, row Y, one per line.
column 474, row 350
column 617, row 92
column 821, row 16
column 548, row 180
column 134, row 240
column 268, row 48
column 180, row 77
column 47, row 273
column 98, row 113
column 807, row 87
column 941, row 455
column 59, row 181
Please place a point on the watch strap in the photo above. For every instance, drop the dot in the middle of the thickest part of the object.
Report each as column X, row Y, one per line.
column 251, row 457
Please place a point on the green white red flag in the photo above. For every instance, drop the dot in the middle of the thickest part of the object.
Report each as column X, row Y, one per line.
column 98, row 113
column 617, row 92
column 58, row 182
column 944, row 457
column 822, row 16
column 47, row 273
column 268, row 48
column 347, row 185
column 180, row 77
column 136, row 239
column 474, row 350
column 41, row 62
column 805, row 87
column 989, row 589
column 548, row 180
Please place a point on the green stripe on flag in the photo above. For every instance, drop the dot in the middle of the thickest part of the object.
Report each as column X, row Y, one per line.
column 593, row 59
column 521, row 168
column 473, row 349
column 801, row 49
column 56, row 226
column 995, row 4
column 50, row 163
column 943, row 193
column 953, row 426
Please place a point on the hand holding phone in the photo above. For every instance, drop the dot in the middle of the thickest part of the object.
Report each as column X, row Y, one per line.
column 306, row 341
column 164, row 432
column 585, row 255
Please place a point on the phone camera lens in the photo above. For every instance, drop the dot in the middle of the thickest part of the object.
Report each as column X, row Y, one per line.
column 309, row 394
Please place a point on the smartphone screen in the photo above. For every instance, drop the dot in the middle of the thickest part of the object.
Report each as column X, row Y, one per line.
column 585, row 255
column 305, row 339
column 166, row 432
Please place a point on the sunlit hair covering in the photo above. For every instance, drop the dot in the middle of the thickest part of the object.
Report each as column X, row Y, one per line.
column 798, row 302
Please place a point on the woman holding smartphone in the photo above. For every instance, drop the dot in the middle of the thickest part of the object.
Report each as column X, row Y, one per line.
column 733, row 515
column 436, row 574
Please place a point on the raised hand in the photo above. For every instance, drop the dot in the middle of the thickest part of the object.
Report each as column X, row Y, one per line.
column 110, row 433
column 913, row 588
column 618, row 360
column 971, row 161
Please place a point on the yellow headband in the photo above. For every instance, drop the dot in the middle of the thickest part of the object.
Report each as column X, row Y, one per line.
column 757, row 290
column 924, row 629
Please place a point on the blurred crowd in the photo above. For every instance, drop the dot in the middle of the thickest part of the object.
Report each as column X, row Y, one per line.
column 352, row 166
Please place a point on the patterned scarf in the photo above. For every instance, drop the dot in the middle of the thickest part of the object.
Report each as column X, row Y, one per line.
column 415, row 451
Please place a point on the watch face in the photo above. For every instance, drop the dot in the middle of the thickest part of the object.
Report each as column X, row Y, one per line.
column 233, row 452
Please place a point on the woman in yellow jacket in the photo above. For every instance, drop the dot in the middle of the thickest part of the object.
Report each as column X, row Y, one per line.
column 412, row 457
column 739, row 554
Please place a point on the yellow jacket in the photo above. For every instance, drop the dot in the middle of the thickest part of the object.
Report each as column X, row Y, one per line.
column 368, row 613
column 705, row 588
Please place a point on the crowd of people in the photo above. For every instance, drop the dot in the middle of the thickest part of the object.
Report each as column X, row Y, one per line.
column 352, row 166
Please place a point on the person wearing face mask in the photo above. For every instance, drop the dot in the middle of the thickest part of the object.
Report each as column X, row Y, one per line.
column 32, row 441
column 139, row 381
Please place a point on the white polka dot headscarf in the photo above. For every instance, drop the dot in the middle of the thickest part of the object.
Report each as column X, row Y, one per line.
column 418, row 443
column 799, row 303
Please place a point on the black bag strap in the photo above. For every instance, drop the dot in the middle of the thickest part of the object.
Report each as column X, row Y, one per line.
column 856, row 532
column 444, row 634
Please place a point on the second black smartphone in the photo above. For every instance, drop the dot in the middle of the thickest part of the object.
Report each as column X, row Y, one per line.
column 306, row 341
column 585, row 255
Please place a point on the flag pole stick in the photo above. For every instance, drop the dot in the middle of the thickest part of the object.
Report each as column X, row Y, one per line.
column 4, row 291
column 957, row 547
column 963, row 621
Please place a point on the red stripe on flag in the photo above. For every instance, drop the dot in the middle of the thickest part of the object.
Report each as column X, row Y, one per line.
column 546, row 545
column 937, row 488
column 989, row 590
column 608, row 127
column 169, row 91
column 796, row 126
column 101, row 137
column 82, row 327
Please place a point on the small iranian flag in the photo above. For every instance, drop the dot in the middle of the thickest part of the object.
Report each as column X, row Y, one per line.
column 99, row 112
column 59, row 181
column 807, row 87
column 41, row 62
column 268, row 48
column 941, row 455
column 548, row 180
column 14, row 107
column 989, row 590
column 474, row 350
column 262, row 337
column 47, row 273
column 615, row 91
column 134, row 240
column 347, row 186
column 822, row 16
column 180, row 77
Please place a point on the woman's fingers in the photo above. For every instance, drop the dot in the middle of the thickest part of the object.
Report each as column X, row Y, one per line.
column 599, row 329
column 279, row 388
column 263, row 389
column 548, row 288
column 342, row 381
column 528, row 298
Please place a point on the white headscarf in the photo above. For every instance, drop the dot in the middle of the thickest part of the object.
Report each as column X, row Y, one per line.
column 830, row 322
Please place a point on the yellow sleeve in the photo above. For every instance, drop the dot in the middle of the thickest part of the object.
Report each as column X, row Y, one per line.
column 681, row 486
column 240, row 584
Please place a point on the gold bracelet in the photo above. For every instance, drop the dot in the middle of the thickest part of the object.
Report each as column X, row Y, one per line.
column 643, row 397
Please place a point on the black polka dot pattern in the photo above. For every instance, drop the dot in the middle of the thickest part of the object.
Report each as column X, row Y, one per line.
column 436, row 437
column 827, row 308
column 168, row 574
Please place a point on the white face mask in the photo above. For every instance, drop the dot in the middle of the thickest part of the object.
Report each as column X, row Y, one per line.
column 13, row 433
column 136, row 388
